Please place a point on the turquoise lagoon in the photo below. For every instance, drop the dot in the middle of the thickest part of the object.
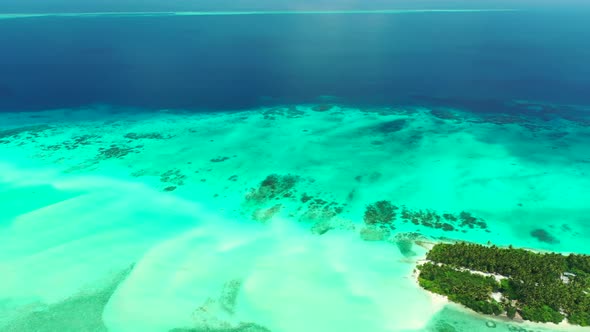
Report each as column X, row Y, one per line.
column 158, row 221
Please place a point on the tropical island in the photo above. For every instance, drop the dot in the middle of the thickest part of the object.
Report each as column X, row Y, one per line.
column 517, row 283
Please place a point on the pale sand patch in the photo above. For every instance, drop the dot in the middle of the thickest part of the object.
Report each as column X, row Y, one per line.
column 335, row 281
column 49, row 253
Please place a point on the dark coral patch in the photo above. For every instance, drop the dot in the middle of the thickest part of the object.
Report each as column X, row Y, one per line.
column 447, row 222
column 467, row 220
column 219, row 159
column 445, row 114
column 405, row 247
column 319, row 210
column 381, row 213
column 305, row 198
column 288, row 112
column 322, row 108
column 170, row 188
column 391, row 126
column 146, row 136
column 173, row 176
column 273, row 186
column 544, row 236
column 114, row 152
column 31, row 130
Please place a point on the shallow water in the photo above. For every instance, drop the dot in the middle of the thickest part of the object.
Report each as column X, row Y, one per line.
column 217, row 181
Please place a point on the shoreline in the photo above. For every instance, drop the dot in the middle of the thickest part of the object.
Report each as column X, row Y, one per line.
column 438, row 299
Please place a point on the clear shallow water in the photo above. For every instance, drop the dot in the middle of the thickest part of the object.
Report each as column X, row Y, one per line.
column 132, row 151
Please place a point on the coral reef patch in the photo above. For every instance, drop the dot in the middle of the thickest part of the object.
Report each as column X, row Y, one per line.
column 115, row 152
column 136, row 136
column 32, row 131
column 273, row 187
column 544, row 236
column 81, row 312
column 173, row 176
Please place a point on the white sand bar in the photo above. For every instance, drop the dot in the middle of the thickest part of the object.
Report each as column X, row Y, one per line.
column 249, row 13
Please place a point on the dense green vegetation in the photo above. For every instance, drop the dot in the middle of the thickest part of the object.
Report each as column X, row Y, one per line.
column 471, row 290
column 539, row 287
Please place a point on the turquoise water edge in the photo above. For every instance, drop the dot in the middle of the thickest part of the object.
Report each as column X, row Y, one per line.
column 163, row 221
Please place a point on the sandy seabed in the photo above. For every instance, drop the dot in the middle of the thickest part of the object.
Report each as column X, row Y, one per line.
column 127, row 220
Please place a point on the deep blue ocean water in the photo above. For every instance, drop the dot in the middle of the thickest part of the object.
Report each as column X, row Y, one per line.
column 232, row 62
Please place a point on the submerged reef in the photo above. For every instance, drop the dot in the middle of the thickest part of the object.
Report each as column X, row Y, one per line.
column 219, row 159
column 81, row 312
column 206, row 318
column 74, row 143
column 544, row 236
column 278, row 194
column 392, row 126
column 136, row 136
column 273, row 187
column 320, row 210
column 32, row 131
column 380, row 218
column 229, row 295
column 540, row 287
column 290, row 112
column 173, row 176
column 405, row 244
column 170, row 188
column 114, row 152
column 381, row 214
column 266, row 201
column 322, row 108
column 447, row 222
column 446, row 114
column 264, row 215
column 20, row 134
